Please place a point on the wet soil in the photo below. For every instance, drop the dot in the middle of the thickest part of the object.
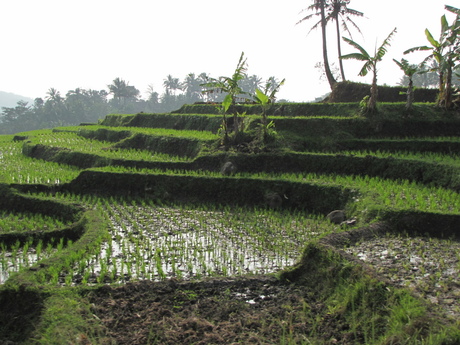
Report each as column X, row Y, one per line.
column 429, row 267
column 264, row 310
column 244, row 310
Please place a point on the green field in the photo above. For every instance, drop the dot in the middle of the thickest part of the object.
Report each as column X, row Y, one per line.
column 159, row 208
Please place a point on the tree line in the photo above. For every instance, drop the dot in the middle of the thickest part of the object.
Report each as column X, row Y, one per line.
column 88, row 106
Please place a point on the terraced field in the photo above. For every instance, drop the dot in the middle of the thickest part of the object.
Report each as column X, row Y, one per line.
column 146, row 229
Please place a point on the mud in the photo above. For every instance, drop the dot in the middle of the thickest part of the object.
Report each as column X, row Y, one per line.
column 255, row 310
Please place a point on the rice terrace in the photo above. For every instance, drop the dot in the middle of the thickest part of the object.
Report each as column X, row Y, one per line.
column 311, row 225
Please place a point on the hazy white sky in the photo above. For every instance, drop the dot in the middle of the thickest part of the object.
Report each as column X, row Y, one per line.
column 87, row 43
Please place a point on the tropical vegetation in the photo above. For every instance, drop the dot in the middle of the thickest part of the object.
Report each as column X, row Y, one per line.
column 445, row 52
column 89, row 106
column 142, row 228
column 370, row 65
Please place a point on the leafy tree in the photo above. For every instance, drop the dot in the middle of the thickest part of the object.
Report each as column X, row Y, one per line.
column 319, row 8
column 96, row 104
column 370, row 65
column 86, row 105
column 76, row 104
column 18, row 118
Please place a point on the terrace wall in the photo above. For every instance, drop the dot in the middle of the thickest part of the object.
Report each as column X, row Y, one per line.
column 224, row 191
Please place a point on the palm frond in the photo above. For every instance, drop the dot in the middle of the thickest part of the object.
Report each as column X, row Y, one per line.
column 308, row 17
column 354, row 12
column 345, row 26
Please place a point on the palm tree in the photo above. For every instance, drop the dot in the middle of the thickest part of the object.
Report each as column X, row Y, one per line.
column 338, row 11
column 122, row 92
column 117, row 88
column 192, row 87
column 55, row 106
column 319, row 6
column 54, row 96
column 370, row 65
column 251, row 83
column 203, row 79
column 171, row 84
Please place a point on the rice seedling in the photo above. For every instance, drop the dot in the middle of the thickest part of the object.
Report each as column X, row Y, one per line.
column 28, row 222
column 152, row 242
column 429, row 157
column 189, row 134
column 77, row 143
column 17, row 168
column 400, row 194
column 23, row 255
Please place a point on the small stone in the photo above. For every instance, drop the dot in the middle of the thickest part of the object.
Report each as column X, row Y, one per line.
column 228, row 169
column 337, row 216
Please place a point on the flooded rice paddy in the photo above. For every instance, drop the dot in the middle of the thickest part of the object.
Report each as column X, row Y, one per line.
column 149, row 242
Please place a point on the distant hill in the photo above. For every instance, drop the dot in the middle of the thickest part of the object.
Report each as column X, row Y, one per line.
column 10, row 100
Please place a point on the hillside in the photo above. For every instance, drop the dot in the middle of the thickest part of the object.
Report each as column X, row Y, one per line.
column 10, row 100
column 318, row 226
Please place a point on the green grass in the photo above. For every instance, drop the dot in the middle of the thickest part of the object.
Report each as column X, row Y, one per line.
column 68, row 319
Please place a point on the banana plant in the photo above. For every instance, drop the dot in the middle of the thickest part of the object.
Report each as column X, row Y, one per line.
column 409, row 71
column 264, row 98
column 230, row 86
column 446, row 52
column 370, row 65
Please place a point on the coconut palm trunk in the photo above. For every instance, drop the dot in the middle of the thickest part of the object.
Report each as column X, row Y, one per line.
column 339, row 50
column 329, row 75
